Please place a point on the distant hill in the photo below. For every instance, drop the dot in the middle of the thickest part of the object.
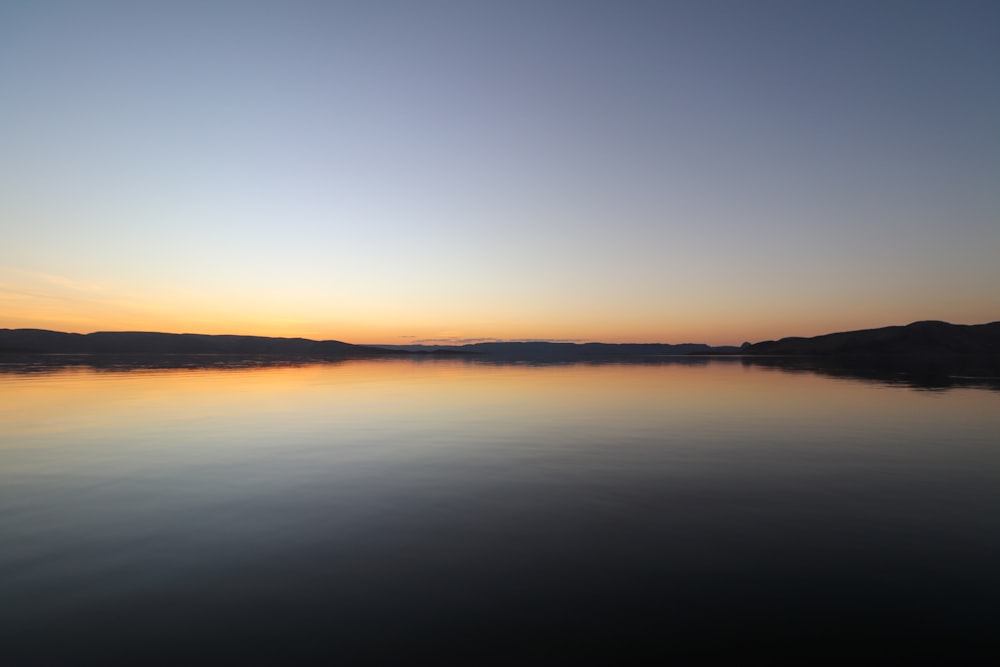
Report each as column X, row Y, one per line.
column 920, row 340
column 547, row 351
column 929, row 339
column 40, row 341
column 542, row 351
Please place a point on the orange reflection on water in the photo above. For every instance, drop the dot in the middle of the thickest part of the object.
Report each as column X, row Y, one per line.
column 423, row 393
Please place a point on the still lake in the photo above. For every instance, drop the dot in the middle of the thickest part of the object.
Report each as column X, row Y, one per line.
column 397, row 511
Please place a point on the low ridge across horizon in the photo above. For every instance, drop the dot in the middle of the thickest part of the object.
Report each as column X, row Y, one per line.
column 43, row 341
column 923, row 337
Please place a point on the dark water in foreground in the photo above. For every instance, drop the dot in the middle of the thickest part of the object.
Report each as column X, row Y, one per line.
column 398, row 512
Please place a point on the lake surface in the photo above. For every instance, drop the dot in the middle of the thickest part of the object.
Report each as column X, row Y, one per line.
column 394, row 512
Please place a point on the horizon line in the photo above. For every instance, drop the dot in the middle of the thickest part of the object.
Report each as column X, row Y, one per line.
column 460, row 342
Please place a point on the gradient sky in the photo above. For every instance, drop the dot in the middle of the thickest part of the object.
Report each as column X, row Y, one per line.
column 389, row 172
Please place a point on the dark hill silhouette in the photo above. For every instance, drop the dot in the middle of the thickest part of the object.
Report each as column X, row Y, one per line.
column 920, row 340
column 542, row 351
column 40, row 341
column 927, row 340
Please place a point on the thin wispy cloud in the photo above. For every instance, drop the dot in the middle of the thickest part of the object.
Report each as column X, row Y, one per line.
column 39, row 298
column 50, row 279
column 454, row 341
column 22, row 293
column 473, row 341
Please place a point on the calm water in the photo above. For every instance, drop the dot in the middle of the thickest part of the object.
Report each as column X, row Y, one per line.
column 392, row 512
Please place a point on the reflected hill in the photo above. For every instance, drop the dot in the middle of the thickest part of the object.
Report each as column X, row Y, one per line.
column 928, row 354
column 974, row 372
column 931, row 355
column 40, row 341
column 39, row 350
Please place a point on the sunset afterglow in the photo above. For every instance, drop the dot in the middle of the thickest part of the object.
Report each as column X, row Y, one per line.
column 439, row 172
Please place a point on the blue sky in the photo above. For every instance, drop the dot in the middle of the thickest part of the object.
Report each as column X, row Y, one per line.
column 373, row 171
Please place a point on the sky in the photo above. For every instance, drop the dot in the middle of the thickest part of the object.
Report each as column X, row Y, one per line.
column 397, row 172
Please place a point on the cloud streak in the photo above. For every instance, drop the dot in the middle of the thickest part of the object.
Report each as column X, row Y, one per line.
column 473, row 341
column 20, row 275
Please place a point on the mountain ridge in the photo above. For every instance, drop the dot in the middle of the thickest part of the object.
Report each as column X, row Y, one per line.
column 44, row 341
column 921, row 339
column 924, row 338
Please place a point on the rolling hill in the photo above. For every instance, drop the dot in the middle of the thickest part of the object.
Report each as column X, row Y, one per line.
column 926, row 339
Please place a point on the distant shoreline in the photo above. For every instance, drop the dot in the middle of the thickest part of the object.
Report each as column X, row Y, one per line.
column 919, row 341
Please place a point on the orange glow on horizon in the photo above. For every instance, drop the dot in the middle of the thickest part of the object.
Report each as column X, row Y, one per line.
column 42, row 301
column 713, row 333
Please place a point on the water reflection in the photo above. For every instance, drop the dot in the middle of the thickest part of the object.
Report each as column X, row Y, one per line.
column 397, row 512
column 981, row 372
